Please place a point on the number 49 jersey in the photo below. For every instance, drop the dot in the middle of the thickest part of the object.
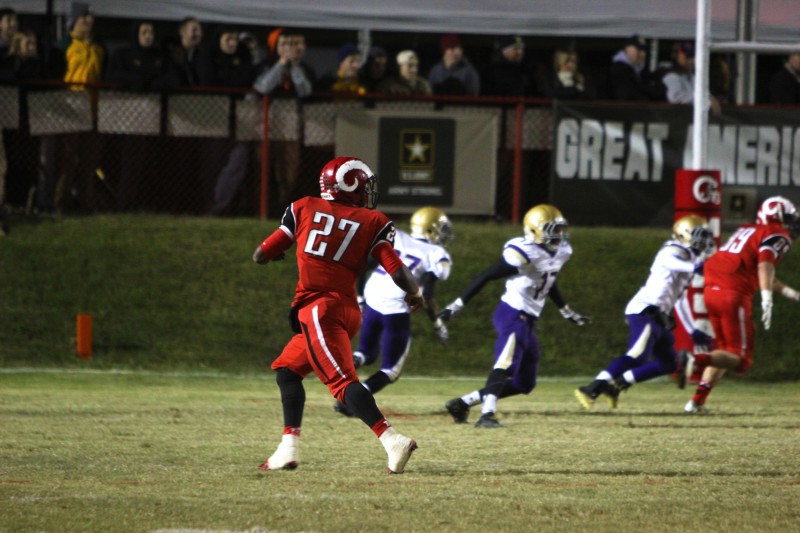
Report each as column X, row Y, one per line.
column 538, row 269
column 333, row 243
column 420, row 257
column 735, row 265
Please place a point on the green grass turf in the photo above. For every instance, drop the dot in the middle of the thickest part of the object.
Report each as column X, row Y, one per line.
column 172, row 293
column 146, row 451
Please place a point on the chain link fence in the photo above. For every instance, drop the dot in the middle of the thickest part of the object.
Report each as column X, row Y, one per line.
column 103, row 150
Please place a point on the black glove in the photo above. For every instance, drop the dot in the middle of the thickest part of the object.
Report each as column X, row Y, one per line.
column 452, row 309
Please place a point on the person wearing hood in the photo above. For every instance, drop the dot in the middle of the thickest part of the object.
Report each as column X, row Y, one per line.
column 141, row 65
column 629, row 78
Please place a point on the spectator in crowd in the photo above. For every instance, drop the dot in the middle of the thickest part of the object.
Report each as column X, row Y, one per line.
column 720, row 79
column 678, row 80
column 324, row 314
column 8, row 27
column 386, row 323
column 508, row 73
column 141, row 65
column 188, row 56
column 564, row 81
column 374, row 70
column 345, row 78
column 530, row 265
column 80, row 152
column 85, row 57
column 784, row 87
column 257, row 52
column 8, row 73
column 23, row 61
column 454, row 74
column 745, row 264
column 288, row 77
column 629, row 78
column 231, row 63
column 407, row 81
column 232, row 66
column 651, row 344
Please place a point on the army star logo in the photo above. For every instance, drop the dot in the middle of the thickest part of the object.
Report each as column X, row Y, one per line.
column 417, row 150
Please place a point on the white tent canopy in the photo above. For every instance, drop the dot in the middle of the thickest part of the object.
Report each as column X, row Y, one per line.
column 778, row 20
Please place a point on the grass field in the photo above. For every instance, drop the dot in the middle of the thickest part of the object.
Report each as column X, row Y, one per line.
column 146, row 451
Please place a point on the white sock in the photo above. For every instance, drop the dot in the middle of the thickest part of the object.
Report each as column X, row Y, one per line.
column 628, row 376
column 386, row 435
column 489, row 404
column 605, row 376
column 473, row 398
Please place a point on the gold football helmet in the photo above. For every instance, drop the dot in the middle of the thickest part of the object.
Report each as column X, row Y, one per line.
column 431, row 224
column 545, row 225
column 693, row 231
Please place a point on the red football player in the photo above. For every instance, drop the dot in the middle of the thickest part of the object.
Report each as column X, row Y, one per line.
column 335, row 234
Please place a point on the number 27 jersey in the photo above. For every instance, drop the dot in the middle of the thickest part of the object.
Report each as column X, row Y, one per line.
column 333, row 243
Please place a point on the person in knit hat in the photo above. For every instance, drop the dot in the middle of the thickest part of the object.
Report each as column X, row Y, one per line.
column 288, row 77
column 509, row 73
column 345, row 78
column 454, row 74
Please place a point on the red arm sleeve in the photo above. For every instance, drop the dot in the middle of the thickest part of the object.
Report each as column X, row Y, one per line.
column 387, row 257
column 276, row 243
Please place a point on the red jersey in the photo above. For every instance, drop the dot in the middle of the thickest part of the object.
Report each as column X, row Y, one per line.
column 334, row 241
column 735, row 265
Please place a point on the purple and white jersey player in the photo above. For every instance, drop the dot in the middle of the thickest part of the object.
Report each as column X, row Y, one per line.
column 386, row 321
column 651, row 345
column 530, row 265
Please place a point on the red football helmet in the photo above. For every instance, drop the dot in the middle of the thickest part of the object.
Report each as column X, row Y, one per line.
column 349, row 180
column 779, row 209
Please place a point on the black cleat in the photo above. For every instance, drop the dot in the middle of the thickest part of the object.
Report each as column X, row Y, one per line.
column 488, row 421
column 613, row 389
column 589, row 393
column 458, row 409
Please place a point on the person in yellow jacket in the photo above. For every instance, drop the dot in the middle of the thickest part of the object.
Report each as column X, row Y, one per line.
column 84, row 56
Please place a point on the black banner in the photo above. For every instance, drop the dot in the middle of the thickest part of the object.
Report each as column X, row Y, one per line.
column 616, row 164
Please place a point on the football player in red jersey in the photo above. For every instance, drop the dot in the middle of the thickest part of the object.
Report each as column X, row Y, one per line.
column 335, row 234
column 743, row 265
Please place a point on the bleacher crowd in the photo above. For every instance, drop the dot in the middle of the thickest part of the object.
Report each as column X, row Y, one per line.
column 196, row 54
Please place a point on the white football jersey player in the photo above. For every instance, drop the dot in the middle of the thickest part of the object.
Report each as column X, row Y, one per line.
column 670, row 274
column 538, row 269
column 420, row 257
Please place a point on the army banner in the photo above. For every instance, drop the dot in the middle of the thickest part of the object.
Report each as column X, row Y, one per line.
column 615, row 164
column 445, row 159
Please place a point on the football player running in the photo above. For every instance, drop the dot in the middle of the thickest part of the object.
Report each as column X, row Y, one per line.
column 386, row 324
column 530, row 265
column 651, row 344
column 743, row 265
column 335, row 234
